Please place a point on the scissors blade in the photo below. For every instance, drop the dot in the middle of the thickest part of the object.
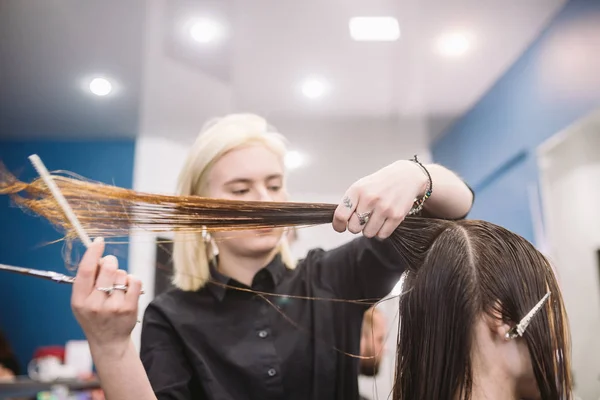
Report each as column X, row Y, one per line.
column 55, row 276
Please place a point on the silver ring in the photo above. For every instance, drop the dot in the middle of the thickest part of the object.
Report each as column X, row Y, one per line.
column 363, row 218
column 110, row 290
column 107, row 290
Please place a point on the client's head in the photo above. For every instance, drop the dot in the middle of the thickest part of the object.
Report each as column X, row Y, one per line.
column 372, row 341
column 469, row 285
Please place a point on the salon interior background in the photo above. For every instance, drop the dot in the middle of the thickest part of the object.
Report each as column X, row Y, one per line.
column 476, row 86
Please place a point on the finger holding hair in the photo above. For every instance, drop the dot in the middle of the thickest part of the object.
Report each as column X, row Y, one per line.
column 345, row 209
column 85, row 280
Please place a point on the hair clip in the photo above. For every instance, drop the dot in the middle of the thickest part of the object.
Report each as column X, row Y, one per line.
column 519, row 329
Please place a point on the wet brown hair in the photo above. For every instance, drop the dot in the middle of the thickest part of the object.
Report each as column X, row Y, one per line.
column 456, row 271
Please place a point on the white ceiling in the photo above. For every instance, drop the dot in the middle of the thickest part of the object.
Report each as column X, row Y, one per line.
column 47, row 50
column 47, row 47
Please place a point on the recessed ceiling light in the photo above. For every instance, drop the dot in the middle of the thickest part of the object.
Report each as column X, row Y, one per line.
column 100, row 86
column 374, row 29
column 314, row 87
column 206, row 30
column 294, row 159
column 453, row 44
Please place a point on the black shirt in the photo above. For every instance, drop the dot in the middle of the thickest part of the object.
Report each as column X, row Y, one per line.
column 221, row 343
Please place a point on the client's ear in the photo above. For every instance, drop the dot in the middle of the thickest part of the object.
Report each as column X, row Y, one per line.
column 496, row 323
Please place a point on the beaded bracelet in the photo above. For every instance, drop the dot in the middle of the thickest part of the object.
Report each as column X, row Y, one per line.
column 418, row 204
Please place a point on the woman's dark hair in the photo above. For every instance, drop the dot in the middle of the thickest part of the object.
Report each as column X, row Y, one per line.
column 458, row 270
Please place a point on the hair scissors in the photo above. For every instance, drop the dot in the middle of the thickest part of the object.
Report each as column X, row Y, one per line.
column 50, row 275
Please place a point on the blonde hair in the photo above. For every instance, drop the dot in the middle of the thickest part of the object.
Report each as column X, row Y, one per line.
column 191, row 253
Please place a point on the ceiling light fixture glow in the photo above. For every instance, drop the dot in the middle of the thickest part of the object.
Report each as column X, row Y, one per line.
column 206, row 31
column 314, row 88
column 100, row 86
column 453, row 44
column 374, row 29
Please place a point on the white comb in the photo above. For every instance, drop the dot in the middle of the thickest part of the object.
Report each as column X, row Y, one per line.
column 45, row 175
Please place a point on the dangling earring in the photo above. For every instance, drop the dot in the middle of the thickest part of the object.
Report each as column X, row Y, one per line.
column 284, row 234
column 206, row 235
column 520, row 328
column 210, row 247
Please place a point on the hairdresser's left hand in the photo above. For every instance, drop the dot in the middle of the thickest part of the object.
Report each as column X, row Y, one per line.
column 388, row 195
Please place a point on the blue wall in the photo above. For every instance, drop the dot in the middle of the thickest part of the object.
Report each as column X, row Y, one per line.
column 35, row 312
column 549, row 87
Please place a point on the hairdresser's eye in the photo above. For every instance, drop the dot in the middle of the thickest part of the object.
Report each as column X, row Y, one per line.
column 275, row 188
column 240, row 192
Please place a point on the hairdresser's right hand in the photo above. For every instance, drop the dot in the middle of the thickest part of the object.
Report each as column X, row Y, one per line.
column 107, row 320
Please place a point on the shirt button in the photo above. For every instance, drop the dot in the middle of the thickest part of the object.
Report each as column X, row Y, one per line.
column 271, row 372
column 263, row 334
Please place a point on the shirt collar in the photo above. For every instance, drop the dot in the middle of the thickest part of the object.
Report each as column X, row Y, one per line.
column 276, row 268
column 219, row 282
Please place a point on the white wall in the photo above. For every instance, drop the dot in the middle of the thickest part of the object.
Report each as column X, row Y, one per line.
column 570, row 177
column 156, row 166
column 342, row 150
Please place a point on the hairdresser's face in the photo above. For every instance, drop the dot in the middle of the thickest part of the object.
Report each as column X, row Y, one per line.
column 252, row 173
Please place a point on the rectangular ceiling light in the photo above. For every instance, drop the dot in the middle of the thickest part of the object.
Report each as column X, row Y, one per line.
column 374, row 29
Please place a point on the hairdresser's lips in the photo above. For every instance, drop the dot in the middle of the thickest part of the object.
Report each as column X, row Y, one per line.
column 266, row 231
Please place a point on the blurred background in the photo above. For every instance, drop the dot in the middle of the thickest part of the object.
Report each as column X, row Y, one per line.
column 505, row 93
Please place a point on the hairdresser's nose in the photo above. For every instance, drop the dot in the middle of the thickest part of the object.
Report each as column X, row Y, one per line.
column 264, row 194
